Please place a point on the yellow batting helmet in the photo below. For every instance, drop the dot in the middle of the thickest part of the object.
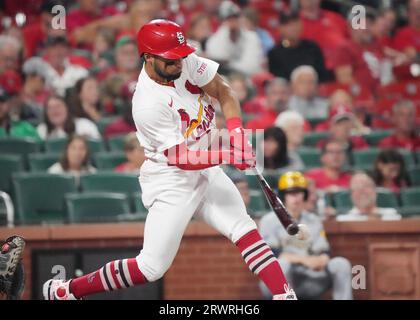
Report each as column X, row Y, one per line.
column 293, row 181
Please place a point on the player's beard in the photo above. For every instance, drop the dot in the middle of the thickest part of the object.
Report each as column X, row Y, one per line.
column 166, row 76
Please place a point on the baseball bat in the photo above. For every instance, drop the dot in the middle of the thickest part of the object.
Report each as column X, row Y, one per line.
column 278, row 207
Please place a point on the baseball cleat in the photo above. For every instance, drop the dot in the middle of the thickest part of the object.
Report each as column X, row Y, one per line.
column 57, row 290
column 288, row 295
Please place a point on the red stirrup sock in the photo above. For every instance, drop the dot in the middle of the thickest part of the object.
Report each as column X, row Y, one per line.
column 114, row 275
column 261, row 261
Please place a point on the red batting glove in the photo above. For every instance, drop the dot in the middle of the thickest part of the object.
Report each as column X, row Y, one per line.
column 238, row 138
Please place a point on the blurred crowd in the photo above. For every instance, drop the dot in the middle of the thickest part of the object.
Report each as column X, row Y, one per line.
column 317, row 83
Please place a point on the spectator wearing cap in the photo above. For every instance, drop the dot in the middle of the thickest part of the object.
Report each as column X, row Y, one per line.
column 124, row 124
column 62, row 75
column 10, row 127
column 341, row 121
column 328, row 29
column 134, row 153
column 360, row 59
column 304, row 97
column 60, row 122
column 341, row 97
column 33, row 93
column 236, row 48
column 331, row 177
column 250, row 19
column 293, row 51
column 10, row 50
column 363, row 195
column 84, row 100
column 405, row 132
column 267, row 108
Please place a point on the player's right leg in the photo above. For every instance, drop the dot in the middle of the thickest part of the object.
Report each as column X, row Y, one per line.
column 170, row 210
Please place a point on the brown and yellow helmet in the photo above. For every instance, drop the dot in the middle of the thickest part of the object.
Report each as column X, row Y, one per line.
column 292, row 181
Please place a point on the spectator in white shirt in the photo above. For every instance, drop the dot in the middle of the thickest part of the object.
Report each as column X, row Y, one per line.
column 75, row 159
column 363, row 196
column 60, row 123
column 304, row 97
column 236, row 48
column 61, row 73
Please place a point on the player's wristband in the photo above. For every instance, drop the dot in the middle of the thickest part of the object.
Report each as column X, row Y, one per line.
column 233, row 123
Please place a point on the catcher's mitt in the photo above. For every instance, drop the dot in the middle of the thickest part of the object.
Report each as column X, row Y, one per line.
column 12, row 279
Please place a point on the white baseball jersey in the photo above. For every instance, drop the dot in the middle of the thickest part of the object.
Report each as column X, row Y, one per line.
column 166, row 116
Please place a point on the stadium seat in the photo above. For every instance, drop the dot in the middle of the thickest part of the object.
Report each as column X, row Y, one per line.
column 408, row 158
column 116, row 143
column 375, row 136
column 410, row 198
column 253, row 183
column 42, row 161
column 58, row 145
column 315, row 121
column 9, row 164
column 257, row 206
column 96, row 206
column 365, row 159
column 312, row 139
column 111, row 182
column 342, row 201
column 103, row 122
column 415, row 175
column 19, row 146
column 386, row 199
column 140, row 212
column 40, row 196
column 310, row 157
column 109, row 160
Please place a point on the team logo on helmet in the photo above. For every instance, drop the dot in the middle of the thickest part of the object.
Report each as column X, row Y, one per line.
column 180, row 36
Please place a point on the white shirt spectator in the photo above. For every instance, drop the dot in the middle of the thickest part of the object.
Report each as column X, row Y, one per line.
column 245, row 55
column 387, row 214
column 84, row 127
column 68, row 79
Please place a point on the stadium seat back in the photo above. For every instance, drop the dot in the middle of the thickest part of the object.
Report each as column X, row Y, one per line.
column 9, row 164
column 96, row 206
column 40, row 162
column 109, row 160
column 40, row 196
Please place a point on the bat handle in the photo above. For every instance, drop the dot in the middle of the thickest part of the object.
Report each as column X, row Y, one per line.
column 291, row 226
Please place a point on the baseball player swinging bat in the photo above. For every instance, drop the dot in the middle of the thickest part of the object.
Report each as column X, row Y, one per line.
column 291, row 226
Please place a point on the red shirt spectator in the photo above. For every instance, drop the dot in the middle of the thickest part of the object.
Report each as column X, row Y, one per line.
column 324, row 181
column 410, row 143
column 118, row 127
column 328, row 29
column 331, row 177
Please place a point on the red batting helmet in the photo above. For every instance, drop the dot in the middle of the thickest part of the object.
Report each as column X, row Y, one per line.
column 163, row 38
